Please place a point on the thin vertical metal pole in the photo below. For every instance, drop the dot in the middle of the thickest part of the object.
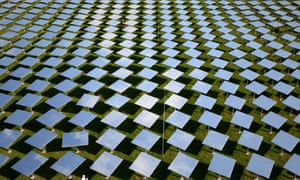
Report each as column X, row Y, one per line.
column 164, row 107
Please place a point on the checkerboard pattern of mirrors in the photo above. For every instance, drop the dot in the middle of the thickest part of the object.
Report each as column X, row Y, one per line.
column 131, row 89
